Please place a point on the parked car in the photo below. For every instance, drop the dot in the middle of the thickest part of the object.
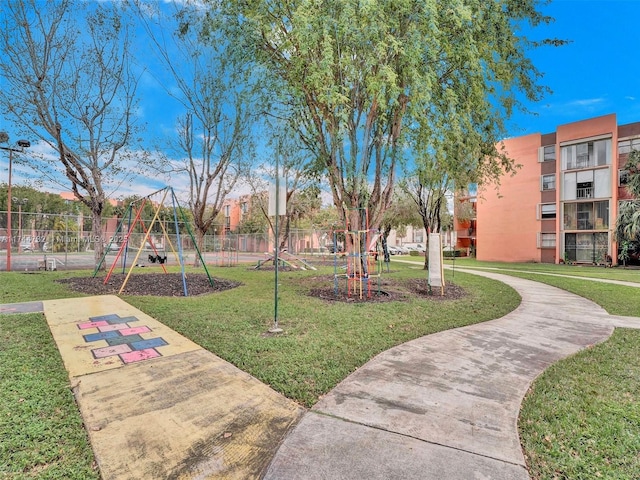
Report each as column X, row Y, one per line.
column 418, row 247
column 393, row 250
column 402, row 250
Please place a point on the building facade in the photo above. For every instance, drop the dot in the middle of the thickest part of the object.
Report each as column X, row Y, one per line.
column 562, row 202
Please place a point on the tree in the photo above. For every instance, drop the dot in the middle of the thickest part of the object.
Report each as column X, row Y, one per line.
column 399, row 215
column 68, row 82
column 627, row 229
column 358, row 73
column 428, row 189
column 214, row 135
column 254, row 219
column 301, row 193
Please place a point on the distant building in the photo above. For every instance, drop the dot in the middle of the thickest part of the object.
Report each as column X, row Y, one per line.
column 70, row 197
column 561, row 205
column 233, row 209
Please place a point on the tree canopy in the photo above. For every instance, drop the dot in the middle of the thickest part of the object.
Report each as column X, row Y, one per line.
column 214, row 136
column 372, row 82
column 69, row 83
column 627, row 229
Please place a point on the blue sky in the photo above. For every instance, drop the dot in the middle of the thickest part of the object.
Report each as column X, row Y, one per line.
column 596, row 74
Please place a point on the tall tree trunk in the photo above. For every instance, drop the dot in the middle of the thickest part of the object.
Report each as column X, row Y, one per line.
column 200, row 244
column 98, row 236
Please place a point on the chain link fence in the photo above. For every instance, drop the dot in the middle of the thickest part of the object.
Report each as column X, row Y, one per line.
column 61, row 233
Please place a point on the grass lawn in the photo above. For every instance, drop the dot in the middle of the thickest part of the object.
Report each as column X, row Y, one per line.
column 587, row 271
column 41, row 434
column 615, row 299
column 323, row 341
column 581, row 419
column 592, row 397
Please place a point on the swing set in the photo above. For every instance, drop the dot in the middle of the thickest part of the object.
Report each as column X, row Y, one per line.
column 156, row 251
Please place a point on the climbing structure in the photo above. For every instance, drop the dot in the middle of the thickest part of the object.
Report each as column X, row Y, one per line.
column 155, row 254
column 361, row 273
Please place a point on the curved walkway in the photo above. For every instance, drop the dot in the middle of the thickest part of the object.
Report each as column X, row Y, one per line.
column 444, row 406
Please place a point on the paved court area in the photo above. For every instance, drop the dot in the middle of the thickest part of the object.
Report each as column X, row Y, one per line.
column 155, row 404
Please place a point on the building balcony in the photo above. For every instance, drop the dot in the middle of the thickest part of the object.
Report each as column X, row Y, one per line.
column 584, row 192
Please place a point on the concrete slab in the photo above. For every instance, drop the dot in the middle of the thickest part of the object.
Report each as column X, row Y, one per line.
column 323, row 447
column 24, row 307
column 626, row 322
column 184, row 416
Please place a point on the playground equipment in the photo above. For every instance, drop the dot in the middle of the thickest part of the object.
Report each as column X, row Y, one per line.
column 363, row 258
column 149, row 244
column 225, row 251
column 286, row 259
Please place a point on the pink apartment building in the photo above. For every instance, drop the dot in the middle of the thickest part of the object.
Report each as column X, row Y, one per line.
column 562, row 202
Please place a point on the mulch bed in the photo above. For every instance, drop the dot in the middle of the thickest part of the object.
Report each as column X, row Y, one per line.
column 320, row 286
column 388, row 290
column 154, row 284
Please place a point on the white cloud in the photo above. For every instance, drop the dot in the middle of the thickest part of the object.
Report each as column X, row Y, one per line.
column 587, row 102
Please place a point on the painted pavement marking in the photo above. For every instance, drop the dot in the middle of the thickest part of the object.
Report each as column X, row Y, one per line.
column 124, row 341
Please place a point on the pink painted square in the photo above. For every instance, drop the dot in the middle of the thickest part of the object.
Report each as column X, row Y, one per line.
column 111, row 351
column 100, row 323
column 139, row 355
column 111, row 328
column 134, row 330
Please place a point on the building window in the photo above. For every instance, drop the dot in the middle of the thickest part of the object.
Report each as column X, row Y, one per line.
column 625, row 146
column 586, row 247
column 586, row 155
column 586, row 216
column 549, row 182
column 586, row 184
column 244, row 207
column 227, row 210
column 547, row 240
column 547, row 153
column 547, row 211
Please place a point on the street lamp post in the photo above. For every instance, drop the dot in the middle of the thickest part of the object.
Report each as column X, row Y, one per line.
column 22, row 144
column 20, row 202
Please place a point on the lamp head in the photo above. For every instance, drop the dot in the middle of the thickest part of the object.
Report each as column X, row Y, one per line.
column 4, row 137
column 24, row 143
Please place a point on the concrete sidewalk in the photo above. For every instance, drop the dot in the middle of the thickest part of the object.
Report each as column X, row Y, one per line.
column 158, row 406
column 445, row 406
